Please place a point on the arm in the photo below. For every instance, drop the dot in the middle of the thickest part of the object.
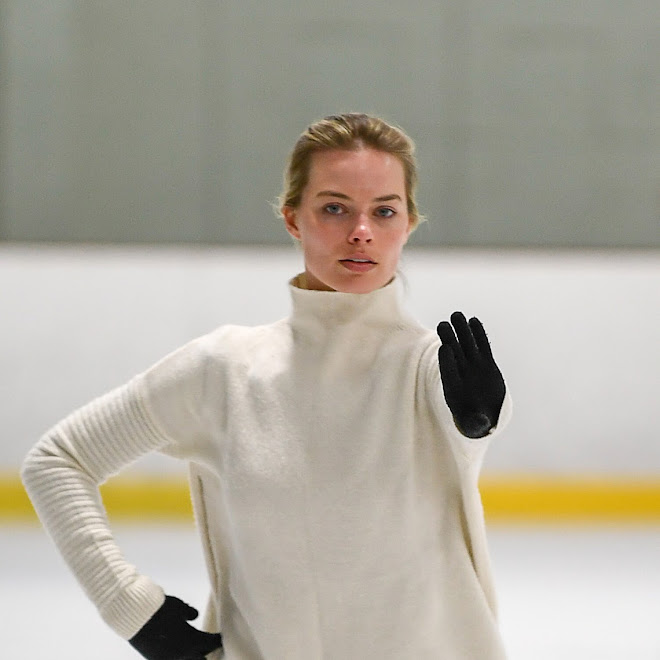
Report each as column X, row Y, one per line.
column 472, row 382
column 62, row 474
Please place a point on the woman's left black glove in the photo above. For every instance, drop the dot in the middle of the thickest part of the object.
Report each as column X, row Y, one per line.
column 472, row 382
column 168, row 636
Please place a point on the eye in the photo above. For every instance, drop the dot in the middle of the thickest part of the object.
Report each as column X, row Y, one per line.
column 385, row 212
column 333, row 209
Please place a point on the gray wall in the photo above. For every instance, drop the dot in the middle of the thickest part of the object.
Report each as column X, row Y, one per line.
column 537, row 123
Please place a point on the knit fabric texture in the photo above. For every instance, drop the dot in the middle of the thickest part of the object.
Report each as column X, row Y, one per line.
column 337, row 503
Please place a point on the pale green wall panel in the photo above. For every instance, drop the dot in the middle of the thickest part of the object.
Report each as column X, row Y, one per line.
column 537, row 123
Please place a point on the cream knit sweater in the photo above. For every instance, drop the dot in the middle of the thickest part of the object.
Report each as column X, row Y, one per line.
column 337, row 503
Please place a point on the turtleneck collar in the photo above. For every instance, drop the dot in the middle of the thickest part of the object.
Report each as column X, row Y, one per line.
column 321, row 311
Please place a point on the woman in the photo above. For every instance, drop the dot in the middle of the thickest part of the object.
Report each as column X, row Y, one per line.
column 334, row 455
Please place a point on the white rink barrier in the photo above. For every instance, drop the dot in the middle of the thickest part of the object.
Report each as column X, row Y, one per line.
column 577, row 335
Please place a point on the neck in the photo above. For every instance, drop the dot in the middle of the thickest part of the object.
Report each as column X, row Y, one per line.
column 301, row 281
column 321, row 312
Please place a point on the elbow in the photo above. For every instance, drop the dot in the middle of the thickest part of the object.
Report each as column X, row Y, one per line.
column 38, row 462
column 49, row 463
column 31, row 465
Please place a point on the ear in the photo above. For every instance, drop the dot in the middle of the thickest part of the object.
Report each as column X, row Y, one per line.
column 291, row 221
column 409, row 230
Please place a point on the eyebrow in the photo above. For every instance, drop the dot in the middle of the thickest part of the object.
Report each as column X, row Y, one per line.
column 332, row 193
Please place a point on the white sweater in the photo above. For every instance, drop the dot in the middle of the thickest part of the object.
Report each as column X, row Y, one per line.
column 337, row 502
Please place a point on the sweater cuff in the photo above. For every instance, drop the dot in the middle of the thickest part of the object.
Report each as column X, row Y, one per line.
column 133, row 607
column 505, row 415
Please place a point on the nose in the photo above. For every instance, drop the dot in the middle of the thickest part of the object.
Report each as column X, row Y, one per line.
column 361, row 232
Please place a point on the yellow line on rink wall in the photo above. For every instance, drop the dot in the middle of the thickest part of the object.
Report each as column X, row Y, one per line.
column 135, row 498
column 506, row 499
column 566, row 499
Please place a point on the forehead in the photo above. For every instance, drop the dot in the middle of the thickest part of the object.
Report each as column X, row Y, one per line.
column 365, row 169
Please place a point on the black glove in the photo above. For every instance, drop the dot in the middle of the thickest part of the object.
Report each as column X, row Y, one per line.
column 167, row 636
column 472, row 382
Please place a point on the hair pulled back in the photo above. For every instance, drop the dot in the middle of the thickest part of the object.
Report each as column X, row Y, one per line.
column 351, row 132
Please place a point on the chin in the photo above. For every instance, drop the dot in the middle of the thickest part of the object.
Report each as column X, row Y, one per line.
column 348, row 282
column 361, row 284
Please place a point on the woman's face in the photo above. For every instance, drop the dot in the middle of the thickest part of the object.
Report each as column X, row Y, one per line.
column 352, row 221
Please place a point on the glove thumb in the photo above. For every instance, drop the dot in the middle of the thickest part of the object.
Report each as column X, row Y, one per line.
column 187, row 611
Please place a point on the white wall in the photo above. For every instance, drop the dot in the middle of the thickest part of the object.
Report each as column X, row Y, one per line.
column 576, row 334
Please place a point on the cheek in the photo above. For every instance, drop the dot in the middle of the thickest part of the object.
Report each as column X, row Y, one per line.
column 397, row 241
column 314, row 248
column 318, row 238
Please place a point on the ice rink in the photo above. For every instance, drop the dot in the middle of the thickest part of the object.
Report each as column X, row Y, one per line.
column 587, row 593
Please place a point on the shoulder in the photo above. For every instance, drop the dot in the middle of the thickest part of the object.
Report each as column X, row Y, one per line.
column 423, row 341
column 223, row 346
column 231, row 342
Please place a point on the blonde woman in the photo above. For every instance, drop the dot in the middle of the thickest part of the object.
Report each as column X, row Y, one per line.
column 334, row 455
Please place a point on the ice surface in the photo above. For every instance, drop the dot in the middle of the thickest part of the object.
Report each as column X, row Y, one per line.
column 580, row 593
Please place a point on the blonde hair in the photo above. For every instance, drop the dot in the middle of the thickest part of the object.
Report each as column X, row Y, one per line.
column 351, row 132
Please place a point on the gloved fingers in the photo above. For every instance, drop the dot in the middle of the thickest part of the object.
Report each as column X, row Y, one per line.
column 446, row 334
column 448, row 338
column 449, row 369
column 183, row 609
column 465, row 337
column 190, row 613
column 480, row 337
column 206, row 642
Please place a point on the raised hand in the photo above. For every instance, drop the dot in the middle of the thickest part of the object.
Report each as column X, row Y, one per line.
column 168, row 636
column 472, row 382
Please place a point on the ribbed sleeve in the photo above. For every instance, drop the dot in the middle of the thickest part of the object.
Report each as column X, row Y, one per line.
column 62, row 474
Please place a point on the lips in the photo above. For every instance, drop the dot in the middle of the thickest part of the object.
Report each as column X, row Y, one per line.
column 358, row 264
column 358, row 260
